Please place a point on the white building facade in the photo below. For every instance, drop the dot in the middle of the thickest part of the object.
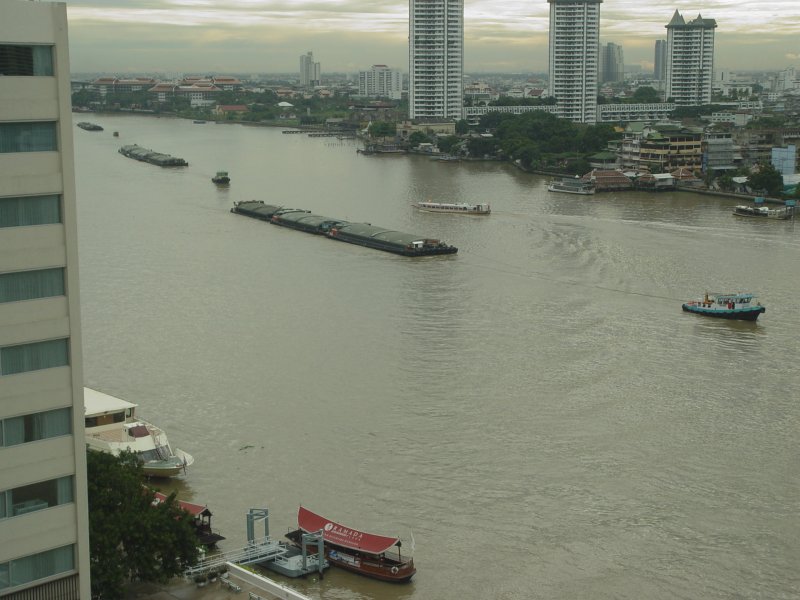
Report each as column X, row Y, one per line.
column 380, row 81
column 690, row 60
column 44, row 530
column 573, row 64
column 436, row 59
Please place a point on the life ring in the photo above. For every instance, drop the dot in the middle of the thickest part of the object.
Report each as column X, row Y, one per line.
column 394, row 570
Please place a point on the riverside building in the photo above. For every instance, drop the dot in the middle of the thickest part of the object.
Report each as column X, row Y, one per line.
column 44, row 530
column 690, row 60
column 573, row 64
column 380, row 81
column 436, row 59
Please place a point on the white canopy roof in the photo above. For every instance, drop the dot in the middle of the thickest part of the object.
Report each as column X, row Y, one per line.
column 98, row 403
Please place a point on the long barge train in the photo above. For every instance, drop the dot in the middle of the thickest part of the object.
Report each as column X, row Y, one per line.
column 149, row 156
column 362, row 234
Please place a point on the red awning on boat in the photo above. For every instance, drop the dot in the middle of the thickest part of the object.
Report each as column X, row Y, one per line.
column 343, row 536
column 192, row 509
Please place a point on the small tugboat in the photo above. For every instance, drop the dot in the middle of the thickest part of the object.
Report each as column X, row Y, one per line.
column 356, row 551
column 221, row 178
column 739, row 306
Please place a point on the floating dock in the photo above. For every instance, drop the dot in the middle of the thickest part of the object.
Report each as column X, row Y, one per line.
column 361, row 234
column 149, row 156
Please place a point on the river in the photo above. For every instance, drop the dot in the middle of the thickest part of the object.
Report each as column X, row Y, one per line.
column 536, row 410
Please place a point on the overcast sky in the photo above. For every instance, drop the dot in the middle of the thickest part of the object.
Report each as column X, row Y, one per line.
column 268, row 36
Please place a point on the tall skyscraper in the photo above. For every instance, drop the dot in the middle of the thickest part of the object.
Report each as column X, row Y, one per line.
column 381, row 81
column 690, row 60
column 574, row 49
column 612, row 63
column 310, row 71
column 436, row 59
column 660, row 61
column 43, row 553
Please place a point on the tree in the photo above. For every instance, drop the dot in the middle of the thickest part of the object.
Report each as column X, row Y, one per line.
column 766, row 177
column 447, row 144
column 462, row 127
column 417, row 138
column 645, row 94
column 382, row 129
column 130, row 539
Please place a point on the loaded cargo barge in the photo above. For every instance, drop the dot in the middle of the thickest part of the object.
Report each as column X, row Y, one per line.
column 362, row 234
column 149, row 156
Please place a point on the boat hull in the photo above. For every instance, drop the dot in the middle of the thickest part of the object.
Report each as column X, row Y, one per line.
column 379, row 567
column 749, row 313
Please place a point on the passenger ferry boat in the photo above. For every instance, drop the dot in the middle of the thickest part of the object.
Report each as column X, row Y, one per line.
column 762, row 212
column 357, row 551
column 112, row 426
column 571, row 186
column 459, row 209
column 739, row 306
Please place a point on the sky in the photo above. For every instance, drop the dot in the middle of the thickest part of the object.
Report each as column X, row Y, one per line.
column 268, row 36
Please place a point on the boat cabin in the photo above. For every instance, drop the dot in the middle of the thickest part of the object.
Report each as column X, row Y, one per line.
column 104, row 411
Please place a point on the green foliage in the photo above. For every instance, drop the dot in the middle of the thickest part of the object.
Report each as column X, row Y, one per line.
column 417, row 138
column 767, row 178
column 462, row 127
column 481, row 147
column 448, row 144
column 129, row 538
column 645, row 94
column 382, row 129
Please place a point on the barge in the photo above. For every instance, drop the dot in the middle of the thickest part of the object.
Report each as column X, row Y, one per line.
column 361, row 234
column 149, row 156
column 89, row 126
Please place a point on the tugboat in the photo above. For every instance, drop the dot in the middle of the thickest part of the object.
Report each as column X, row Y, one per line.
column 740, row 306
column 221, row 178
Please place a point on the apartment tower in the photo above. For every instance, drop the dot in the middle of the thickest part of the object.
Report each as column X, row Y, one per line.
column 690, row 60
column 660, row 61
column 380, row 81
column 310, row 71
column 574, row 49
column 44, row 530
column 436, row 60
column 612, row 63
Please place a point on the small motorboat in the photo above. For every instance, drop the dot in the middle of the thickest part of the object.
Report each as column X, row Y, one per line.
column 740, row 306
column 221, row 178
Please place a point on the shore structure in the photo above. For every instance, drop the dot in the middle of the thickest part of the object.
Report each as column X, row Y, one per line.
column 361, row 234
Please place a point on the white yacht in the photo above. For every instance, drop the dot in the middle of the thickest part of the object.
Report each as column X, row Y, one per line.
column 112, row 426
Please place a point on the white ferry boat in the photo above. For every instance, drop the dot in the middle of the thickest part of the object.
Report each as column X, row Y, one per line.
column 112, row 426
column 460, row 209
column 571, row 186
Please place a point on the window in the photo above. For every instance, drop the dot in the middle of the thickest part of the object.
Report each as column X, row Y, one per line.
column 28, row 137
column 36, row 426
column 32, row 357
column 37, row 496
column 37, row 566
column 28, row 285
column 26, row 60
column 30, row 210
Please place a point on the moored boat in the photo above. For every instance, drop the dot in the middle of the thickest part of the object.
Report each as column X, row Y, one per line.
column 574, row 185
column 453, row 208
column 201, row 523
column 739, row 306
column 356, row 551
column 112, row 426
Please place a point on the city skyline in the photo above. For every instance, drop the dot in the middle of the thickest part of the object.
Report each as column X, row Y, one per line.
column 264, row 36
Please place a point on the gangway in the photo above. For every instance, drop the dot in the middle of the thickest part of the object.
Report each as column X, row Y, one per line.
column 278, row 556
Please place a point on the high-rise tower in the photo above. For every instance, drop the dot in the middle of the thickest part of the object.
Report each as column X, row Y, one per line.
column 574, row 41
column 436, row 59
column 612, row 63
column 690, row 60
column 44, row 529
column 660, row 61
column 310, row 71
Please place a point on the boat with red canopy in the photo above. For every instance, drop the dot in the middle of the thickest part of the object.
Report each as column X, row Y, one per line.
column 357, row 551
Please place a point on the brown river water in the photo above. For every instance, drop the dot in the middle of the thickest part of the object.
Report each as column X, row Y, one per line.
column 536, row 410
